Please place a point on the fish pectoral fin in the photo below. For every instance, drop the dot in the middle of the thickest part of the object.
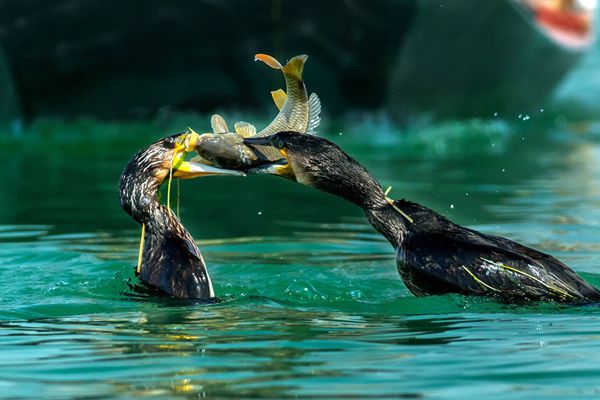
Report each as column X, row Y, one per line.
column 245, row 129
column 218, row 124
column 279, row 98
column 314, row 113
column 269, row 60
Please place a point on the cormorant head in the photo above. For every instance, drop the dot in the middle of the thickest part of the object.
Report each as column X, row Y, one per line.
column 168, row 154
column 151, row 166
column 319, row 163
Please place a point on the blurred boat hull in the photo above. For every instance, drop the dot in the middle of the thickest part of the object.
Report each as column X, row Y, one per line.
column 495, row 59
column 127, row 58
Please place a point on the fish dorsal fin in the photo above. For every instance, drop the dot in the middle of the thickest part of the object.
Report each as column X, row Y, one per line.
column 314, row 113
column 245, row 129
column 295, row 66
column 269, row 60
column 279, row 98
column 218, row 124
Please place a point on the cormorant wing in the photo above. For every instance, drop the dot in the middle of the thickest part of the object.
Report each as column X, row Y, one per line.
column 457, row 259
column 172, row 262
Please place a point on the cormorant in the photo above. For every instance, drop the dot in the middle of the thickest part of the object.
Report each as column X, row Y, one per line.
column 434, row 255
column 169, row 259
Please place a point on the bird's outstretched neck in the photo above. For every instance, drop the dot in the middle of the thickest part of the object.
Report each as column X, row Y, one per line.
column 343, row 176
column 389, row 220
column 358, row 186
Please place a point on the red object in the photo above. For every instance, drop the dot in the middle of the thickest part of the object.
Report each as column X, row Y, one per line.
column 563, row 20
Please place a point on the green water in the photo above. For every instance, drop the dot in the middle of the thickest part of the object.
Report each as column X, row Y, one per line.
column 313, row 306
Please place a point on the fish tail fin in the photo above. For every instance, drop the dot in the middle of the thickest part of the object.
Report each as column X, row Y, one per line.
column 269, row 60
column 295, row 66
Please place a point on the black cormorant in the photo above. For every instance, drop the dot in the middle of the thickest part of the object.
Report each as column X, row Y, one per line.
column 169, row 258
column 434, row 255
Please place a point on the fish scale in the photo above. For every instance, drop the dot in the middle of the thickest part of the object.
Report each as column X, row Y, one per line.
column 294, row 115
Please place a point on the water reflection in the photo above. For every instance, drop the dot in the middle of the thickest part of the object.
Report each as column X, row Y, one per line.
column 222, row 350
column 252, row 349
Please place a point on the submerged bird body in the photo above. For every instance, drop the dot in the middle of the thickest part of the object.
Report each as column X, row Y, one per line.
column 169, row 258
column 433, row 254
column 437, row 256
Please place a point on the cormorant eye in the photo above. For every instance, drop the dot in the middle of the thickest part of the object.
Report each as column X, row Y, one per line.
column 277, row 142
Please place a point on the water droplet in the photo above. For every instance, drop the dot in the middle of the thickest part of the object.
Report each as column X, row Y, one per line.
column 302, row 290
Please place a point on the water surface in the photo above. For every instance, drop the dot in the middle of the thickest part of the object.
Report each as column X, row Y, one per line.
column 312, row 305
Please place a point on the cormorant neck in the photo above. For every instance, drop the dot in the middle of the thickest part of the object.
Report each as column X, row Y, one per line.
column 389, row 222
column 138, row 189
column 170, row 259
column 345, row 178
column 354, row 183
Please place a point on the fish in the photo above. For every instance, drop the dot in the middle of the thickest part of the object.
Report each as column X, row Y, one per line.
column 226, row 148
column 298, row 112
